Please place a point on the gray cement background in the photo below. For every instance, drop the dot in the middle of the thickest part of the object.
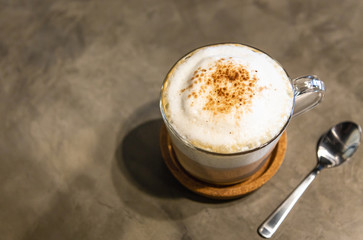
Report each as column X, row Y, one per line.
column 79, row 85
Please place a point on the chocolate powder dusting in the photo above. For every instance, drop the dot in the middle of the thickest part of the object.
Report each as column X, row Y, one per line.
column 230, row 86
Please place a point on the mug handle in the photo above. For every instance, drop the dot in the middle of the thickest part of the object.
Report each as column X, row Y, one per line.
column 309, row 91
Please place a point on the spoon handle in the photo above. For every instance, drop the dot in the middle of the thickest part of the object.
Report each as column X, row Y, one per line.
column 272, row 223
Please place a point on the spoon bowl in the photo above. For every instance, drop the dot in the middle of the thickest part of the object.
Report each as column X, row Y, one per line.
column 334, row 148
column 338, row 144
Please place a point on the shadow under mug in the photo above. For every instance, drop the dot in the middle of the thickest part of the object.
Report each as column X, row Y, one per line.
column 211, row 167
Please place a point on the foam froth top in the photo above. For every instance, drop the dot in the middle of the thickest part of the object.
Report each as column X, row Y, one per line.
column 227, row 98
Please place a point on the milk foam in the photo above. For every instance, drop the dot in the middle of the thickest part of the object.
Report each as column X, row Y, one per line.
column 227, row 98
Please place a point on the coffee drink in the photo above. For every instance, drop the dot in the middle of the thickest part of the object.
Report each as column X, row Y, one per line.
column 225, row 107
column 227, row 98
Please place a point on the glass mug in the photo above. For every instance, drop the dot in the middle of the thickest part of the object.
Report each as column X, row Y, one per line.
column 209, row 166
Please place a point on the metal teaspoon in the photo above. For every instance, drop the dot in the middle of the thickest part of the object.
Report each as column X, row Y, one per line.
column 334, row 148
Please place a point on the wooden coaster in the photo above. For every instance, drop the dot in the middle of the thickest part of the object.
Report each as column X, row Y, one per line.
column 259, row 178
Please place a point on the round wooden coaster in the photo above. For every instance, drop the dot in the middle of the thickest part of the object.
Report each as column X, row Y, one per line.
column 259, row 178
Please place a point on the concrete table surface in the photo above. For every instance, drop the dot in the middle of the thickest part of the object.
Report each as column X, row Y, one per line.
column 79, row 129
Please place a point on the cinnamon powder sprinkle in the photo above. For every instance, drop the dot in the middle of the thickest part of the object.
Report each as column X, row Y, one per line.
column 230, row 86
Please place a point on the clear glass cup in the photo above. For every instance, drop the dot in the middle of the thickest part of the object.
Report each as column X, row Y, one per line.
column 211, row 167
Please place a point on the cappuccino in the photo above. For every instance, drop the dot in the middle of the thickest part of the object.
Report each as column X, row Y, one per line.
column 227, row 98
